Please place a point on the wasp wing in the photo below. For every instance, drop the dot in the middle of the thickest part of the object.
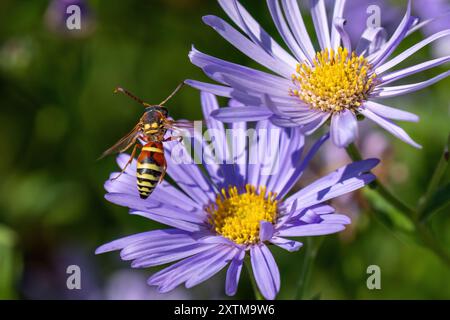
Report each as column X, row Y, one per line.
column 180, row 127
column 125, row 143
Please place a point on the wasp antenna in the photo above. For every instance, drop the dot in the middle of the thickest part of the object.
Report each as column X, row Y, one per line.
column 132, row 96
column 172, row 94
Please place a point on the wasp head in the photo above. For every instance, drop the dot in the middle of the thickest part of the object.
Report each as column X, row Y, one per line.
column 153, row 120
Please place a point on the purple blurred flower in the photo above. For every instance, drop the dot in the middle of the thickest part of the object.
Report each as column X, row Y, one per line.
column 309, row 88
column 436, row 11
column 58, row 14
column 231, row 210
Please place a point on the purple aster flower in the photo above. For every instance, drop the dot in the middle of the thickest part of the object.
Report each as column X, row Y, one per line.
column 230, row 210
column 434, row 12
column 306, row 87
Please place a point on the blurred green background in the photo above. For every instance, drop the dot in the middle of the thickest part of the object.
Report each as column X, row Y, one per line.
column 58, row 113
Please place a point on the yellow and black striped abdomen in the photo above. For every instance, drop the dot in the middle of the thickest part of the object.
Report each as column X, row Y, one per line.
column 150, row 166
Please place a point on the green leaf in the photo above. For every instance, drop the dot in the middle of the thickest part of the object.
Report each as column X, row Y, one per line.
column 438, row 201
column 387, row 213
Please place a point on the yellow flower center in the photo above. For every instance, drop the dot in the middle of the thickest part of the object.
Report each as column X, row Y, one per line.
column 336, row 81
column 236, row 215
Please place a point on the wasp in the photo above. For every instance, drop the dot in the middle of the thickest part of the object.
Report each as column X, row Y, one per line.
column 148, row 135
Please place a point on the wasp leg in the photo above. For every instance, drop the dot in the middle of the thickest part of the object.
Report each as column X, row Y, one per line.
column 163, row 174
column 172, row 138
column 128, row 163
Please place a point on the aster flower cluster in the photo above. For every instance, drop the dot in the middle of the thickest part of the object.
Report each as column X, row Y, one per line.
column 223, row 213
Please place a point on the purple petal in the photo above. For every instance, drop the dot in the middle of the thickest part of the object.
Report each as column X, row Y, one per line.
column 394, row 91
column 341, row 181
column 213, row 239
column 211, row 88
column 286, row 244
column 405, row 54
column 291, row 150
column 248, row 24
column 338, row 25
column 156, row 207
column 283, row 187
column 170, row 277
column 297, row 25
column 144, row 236
column 320, row 20
column 283, row 29
column 395, row 39
column 173, row 222
column 335, row 218
column 239, row 114
column 400, row 74
column 210, row 269
column 344, row 128
column 234, row 273
column 157, row 246
column 266, row 271
column 247, row 47
column 316, row 229
column 391, row 127
column 371, row 41
column 337, row 14
column 390, row 113
column 265, row 230
column 277, row 155
column 160, row 258
column 188, row 176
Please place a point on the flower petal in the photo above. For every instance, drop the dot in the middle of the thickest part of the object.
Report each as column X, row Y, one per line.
column 344, row 128
column 143, row 236
column 337, row 14
column 410, row 51
column 297, row 25
column 239, row 114
column 286, row 244
column 400, row 74
column 247, row 47
column 390, row 113
column 160, row 258
column 314, row 229
column 265, row 270
column 394, row 91
column 210, row 269
column 233, row 273
column 341, row 181
column 248, row 24
column 283, row 29
column 381, row 55
column 174, row 275
column 391, row 127
column 320, row 20
column 265, row 230
column 209, row 87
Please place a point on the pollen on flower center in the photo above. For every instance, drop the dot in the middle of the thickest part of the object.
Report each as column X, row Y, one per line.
column 336, row 81
column 237, row 215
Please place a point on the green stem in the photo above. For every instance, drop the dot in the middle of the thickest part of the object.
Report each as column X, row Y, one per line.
column 430, row 241
column 434, row 183
column 256, row 292
column 311, row 249
column 424, row 232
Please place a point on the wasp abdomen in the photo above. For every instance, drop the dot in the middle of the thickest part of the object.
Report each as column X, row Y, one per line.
column 150, row 166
